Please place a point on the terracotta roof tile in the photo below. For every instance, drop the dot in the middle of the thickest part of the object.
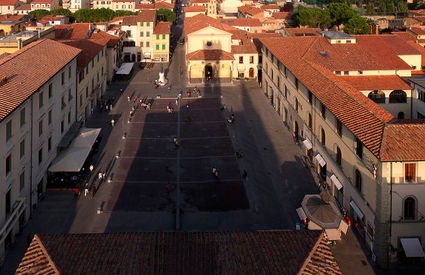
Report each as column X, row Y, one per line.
column 72, row 31
column 261, row 252
column 282, row 15
column 146, row 16
column 90, row 48
column 249, row 22
column 8, row 2
column 201, row 21
column 200, row 1
column 164, row 5
column 209, row 55
column 403, row 142
column 112, row 39
column 194, row 9
column 24, row 7
column 381, row 82
column 42, row 1
column 302, row 31
column 417, row 31
column 144, row 6
column 10, row 17
column 162, row 28
column 28, row 69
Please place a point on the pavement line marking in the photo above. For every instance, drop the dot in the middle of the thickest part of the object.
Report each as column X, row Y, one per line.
column 172, row 158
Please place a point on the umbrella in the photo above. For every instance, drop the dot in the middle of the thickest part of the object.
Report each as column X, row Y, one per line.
column 324, row 214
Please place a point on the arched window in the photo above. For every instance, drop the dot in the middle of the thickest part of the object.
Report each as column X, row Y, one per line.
column 409, row 208
column 377, row 96
column 323, row 139
column 358, row 180
column 400, row 115
column 338, row 156
column 398, row 96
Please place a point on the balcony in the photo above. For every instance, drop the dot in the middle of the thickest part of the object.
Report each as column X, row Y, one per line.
column 18, row 209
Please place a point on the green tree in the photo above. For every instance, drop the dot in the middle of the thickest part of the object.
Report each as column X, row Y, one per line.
column 341, row 13
column 402, row 6
column 382, row 7
column 165, row 15
column 65, row 12
column 370, row 8
column 390, row 7
column 357, row 25
column 314, row 17
column 38, row 14
column 124, row 13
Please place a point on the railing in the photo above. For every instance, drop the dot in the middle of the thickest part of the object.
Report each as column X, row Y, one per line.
column 18, row 209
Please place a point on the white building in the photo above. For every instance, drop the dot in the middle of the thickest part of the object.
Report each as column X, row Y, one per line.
column 37, row 99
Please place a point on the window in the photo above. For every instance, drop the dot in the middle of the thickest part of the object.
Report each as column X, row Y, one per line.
column 209, row 43
column 358, row 180
column 400, row 115
column 410, row 171
column 141, row 24
column 157, row 46
column 148, row 24
column 398, row 96
column 359, row 148
column 141, row 44
column 310, row 121
column 87, row 92
column 163, row 36
column 92, row 63
column 49, row 144
column 49, row 117
column 69, row 95
column 346, row 72
column 323, row 110
column 50, row 90
column 40, row 127
column 338, row 156
column 69, row 72
column 63, row 78
column 285, row 91
column 22, row 180
column 148, row 34
column 338, row 127
column 409, row 208
column 69, row 117
column 323, row 137
column 377, row 96
column 251, row 60
column 296, row 83
column 296, row 105
column 63, row 105
column 8, row 164
column 8, row 130
column 81, row 100
column 310, row 97
column 22, row 149
column 40, row 100
column 148, row 44
column 278, row 82
column 22, row 117
column 40, row 155
column 338, row 72
column 157, row 36
column 241, row 62
column 163, row 46
column 62, row 126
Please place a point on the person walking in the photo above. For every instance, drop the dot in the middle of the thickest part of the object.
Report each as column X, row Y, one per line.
column 86, row 190
column 187, row 107
column 121, row 91
column 100, row 176
column 128, row 98
column 112, row 122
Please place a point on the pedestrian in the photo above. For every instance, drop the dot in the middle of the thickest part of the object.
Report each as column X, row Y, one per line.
column 104, row 176
column 92, row 111
column 86, row 190
column 110, row 107
column 106, row 107
column 112, row 122
column 91, row 168
column 77, row 192
column 128, row 98
column 148, row 107
column 100, row 176
column 215, row 172
column 187, row 108
column 177, row 101
column 121, row 91
column 244, row 174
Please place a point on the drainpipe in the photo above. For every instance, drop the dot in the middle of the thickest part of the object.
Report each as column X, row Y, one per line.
column 391, row 213
column 31, row 157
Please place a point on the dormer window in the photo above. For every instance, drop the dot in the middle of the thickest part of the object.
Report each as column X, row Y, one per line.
column 338, row 72
column 209, row 43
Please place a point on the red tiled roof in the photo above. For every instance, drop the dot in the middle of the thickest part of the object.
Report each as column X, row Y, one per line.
column 420, row 49
column 249, row 22
column 403, row 142
column 417, row 31
column 201, row 21
column 10, row 17
column 270, row 7
column 72, row 31
column 132, row 1
column 89, row 49
column 282, row 15
column 24, row 7
column 381, row 82
column 162, row 28
column 261, row 252
column 164, row 5
column 200, row 1
column 194, row 9
column 28, row 69
column 112, row 39
column 130, row 20
column 302, row 31
column 209, row 55
column 363, row 117
column 42, row 1
column 146, row 16
column 144, row 6
column 8, row 2
column 405, row 35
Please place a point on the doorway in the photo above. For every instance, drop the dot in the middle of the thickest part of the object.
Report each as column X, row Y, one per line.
column 208, row 72
column 251, row 72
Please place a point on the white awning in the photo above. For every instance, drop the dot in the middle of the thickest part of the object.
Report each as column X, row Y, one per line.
column 356, row 209
column 307, row 144
column 125, row 68
column 320, row 159
column 412, row 247
column 335, row 180
column 301, row 213
column 73, row 158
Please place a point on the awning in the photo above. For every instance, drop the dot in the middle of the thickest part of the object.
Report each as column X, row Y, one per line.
column 125, row 68
column 356, row 209
column 301, row 213
column 307, row 144
column 337, row 183
column 412, row 247
column 333, row 234
column 320, row 159
column 73, row 158
column 343, row 226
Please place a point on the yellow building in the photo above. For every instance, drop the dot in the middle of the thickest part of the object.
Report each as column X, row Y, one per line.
column 11, row 24
column 16, row 41
column 161, row 42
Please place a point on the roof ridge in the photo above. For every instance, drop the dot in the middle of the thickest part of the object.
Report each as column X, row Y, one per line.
column 44, row 250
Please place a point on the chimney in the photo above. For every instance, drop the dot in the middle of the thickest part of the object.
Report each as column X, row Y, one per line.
column 19, row 43
column 38, row 33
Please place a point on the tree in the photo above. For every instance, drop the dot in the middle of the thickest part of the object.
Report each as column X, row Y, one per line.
column 165, row 15
column 65, row 12
column 341, row 13
column 402, row 7
column 370, row 8
column 390, row 7
column 357, row 25
column 382, row 7
column 38, row 14
column 314, row 17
